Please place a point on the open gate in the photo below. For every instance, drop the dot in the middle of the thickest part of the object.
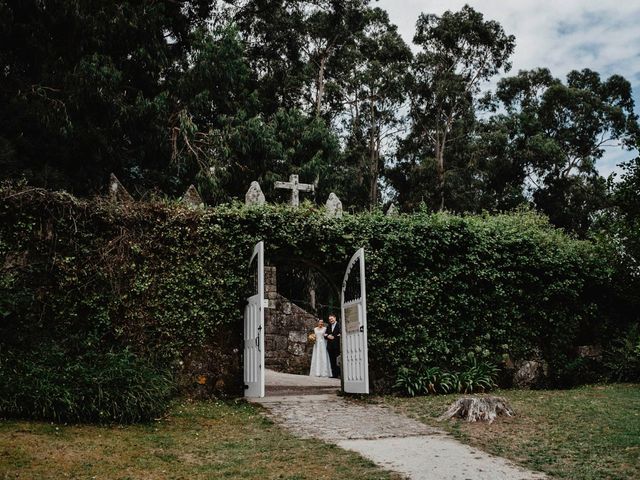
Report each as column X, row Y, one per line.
column 254, row 328
column 354, row 356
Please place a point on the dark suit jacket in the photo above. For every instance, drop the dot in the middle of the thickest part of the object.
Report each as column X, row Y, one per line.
column 333, row 345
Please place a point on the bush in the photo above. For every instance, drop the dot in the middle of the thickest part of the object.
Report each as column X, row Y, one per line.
column 622, row 358
column 163, row 282
column 476, row 377
column 114, row 386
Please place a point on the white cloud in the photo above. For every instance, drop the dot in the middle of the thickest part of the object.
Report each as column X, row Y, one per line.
column 563, row 35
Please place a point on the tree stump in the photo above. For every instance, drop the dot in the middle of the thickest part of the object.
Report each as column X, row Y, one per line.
column 473, row 409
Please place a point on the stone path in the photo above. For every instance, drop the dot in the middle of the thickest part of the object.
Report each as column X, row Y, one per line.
column 333, row 419
column 279, row 384
column 391, row 440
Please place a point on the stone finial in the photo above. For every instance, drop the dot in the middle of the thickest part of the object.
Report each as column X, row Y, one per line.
column 334, row 206
column 392, row 211
column 254, row 195
column 117, row 192
column 192, row 198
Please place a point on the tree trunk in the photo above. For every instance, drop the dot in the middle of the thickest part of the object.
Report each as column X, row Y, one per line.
column 374, row 159
column 320, row 85
column 440, row 175
column 473, row 409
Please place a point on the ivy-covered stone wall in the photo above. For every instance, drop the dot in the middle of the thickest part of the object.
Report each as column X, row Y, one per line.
column 167, row 283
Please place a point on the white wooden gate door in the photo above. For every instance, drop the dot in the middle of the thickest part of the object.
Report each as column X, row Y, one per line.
column 354, row 356
column 254, row 328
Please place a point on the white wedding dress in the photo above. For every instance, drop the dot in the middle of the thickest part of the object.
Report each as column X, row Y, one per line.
column 320, row 365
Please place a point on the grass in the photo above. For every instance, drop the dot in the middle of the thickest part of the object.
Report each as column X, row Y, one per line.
column 591, row 432
column 199, row 440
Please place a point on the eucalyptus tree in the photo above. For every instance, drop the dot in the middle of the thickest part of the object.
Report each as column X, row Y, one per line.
column 292, row 47
column 459, row 52
column 558, row 131
column 373, row 92
column 332, row 29
column 338, row 44
column 273, row 32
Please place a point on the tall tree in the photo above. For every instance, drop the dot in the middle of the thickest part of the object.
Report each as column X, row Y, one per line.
column 618, row 228
column 84, row 86
column 274, row 34
column 459, row 51
column 559, row 131
column 332, row 27
column 373, row 90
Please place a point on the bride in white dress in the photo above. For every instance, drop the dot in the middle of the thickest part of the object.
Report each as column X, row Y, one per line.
column 320, row 366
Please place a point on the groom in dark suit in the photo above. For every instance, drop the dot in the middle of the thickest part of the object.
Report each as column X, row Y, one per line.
column 332, row 335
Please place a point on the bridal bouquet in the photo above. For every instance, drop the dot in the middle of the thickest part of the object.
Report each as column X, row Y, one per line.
column 312, row 338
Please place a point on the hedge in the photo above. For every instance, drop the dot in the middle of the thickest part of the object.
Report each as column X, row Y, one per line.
column 167, row 284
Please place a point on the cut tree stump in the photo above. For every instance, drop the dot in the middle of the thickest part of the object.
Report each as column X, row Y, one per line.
column 473, row 409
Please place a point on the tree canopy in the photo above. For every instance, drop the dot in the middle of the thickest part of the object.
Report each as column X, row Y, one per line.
column 220, row 93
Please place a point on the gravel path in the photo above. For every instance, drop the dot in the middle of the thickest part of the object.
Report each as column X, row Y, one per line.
column 391, row 440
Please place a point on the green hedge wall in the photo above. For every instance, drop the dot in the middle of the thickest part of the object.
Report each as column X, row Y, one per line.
column 166, row 283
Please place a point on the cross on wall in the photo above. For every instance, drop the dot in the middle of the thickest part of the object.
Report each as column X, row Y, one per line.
column 296, row 187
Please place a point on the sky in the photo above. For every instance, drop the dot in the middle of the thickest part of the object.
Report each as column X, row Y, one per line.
column 562, row 35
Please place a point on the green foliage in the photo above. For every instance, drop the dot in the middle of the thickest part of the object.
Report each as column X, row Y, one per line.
column 622, row 358
column 49, row 383
column 459, row 51
column 449, row 288
column 216, row 94
column 477, row 377
column 89, row 86
column 168, row 283
column 421, row 381
column 474, row 377
column 558, row 131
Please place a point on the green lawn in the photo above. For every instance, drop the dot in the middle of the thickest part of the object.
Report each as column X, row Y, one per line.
column 591, row 432
column 201, row 440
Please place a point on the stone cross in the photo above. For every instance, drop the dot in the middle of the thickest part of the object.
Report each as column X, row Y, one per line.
column 295, row 188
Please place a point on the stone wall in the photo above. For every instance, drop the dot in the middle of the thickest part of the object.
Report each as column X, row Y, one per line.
column 287, row 327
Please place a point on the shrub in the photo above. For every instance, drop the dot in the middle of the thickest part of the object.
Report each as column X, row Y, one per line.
column 477, row 377
column 114, row 386
column 428, row 380
column 622, row 358
column 163, row 282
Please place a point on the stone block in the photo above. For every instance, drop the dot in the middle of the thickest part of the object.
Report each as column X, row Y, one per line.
column 192, row 198
column 269, row 343
column 254, row 195
column 296, row 349
column 298, row 337
column 117, row 192
column 530, row 373
column 590, row 351
column 333, row 206
column 280, row 343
